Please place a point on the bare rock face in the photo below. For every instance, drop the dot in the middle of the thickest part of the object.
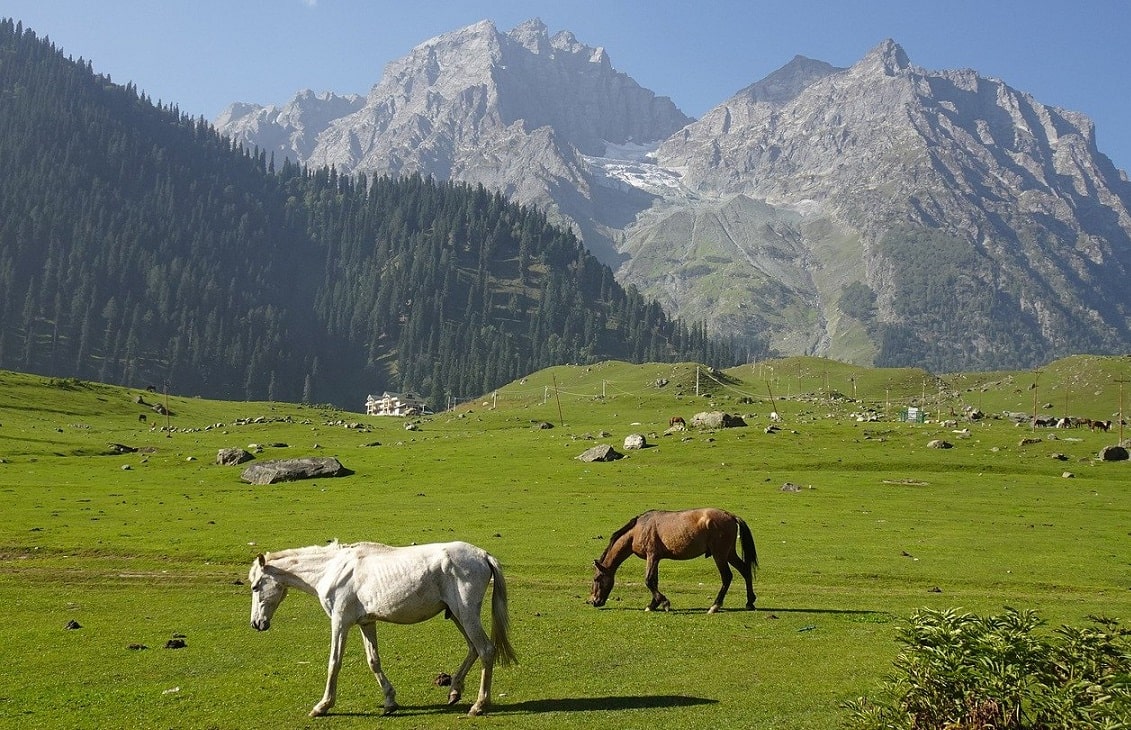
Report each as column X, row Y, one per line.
column 924, row 190
column 291, row 130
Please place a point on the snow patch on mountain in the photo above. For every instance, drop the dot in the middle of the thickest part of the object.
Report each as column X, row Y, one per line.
column 633, row 165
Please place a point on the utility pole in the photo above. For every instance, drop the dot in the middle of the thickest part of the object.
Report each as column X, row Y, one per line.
column 1121, row 381
column 773, row 403
column 561, row 419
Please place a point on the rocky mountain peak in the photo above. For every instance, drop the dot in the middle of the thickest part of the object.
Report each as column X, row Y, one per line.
column 887, row 57
column 788, row 81
column 533, row 35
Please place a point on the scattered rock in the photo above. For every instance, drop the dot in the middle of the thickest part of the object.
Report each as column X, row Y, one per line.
column 289, row 470
column 1114, row 453
column 939, row 444
column 232, row 457
column 443, row 679
column 716, row 419
column 601, row 452
column 177, row 642
column 72, row 625
column 635, row 441
column 137, row 647
column 1068, row 475
column 790, row 487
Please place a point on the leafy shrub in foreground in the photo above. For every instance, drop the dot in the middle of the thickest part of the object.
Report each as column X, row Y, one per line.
column 958, row 671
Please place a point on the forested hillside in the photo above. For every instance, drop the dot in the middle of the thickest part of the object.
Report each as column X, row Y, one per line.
column 138, row 246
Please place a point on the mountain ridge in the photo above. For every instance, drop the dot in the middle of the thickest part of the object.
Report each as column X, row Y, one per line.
column 880, row 151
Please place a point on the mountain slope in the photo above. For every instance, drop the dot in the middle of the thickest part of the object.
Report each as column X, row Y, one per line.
column 138, row 246
column 918, row 164
column 882, row 213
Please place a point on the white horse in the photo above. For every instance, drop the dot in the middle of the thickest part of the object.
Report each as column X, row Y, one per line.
column 367, row 582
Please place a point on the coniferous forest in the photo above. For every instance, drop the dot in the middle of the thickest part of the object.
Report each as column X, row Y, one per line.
column 139, row 247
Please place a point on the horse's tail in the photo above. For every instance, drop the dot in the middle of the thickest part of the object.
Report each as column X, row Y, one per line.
column 749, row 550
column 500, row 622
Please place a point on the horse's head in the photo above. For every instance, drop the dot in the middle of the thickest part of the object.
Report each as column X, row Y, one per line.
column 602, row 585
column 267, row 592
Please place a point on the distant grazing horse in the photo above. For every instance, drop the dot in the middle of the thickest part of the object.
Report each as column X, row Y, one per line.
column 1101, row 425
column 367, row 582
column 682, row 535
column 677, row 420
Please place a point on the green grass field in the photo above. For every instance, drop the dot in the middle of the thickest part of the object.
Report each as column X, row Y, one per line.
column 879, row 526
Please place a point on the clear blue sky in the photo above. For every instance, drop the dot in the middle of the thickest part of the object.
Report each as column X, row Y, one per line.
column 204, row 54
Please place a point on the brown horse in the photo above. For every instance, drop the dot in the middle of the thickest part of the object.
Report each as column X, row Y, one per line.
column 657, row 534
column 677, row 420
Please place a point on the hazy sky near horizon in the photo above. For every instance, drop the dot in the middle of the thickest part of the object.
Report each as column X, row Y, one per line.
column 205, row 54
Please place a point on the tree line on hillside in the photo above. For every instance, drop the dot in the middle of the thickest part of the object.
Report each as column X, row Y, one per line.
column 139, row 247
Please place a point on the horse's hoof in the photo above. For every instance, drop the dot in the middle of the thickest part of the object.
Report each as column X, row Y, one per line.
column 476, row 710
column 390, row 709
column 713, row 609
column 318, row 712
column 453, row 698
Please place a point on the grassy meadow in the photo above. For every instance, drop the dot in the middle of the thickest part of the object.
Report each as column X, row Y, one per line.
column 150, row 545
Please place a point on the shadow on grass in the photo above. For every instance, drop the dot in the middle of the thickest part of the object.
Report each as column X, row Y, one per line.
column 764, row 610
column 598, row 704
column 557, row 704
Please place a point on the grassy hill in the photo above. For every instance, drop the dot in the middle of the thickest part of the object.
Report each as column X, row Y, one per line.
column 142, row 544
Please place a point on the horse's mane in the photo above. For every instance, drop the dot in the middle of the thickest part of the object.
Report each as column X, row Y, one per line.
column 330, row 546
column 618, row 535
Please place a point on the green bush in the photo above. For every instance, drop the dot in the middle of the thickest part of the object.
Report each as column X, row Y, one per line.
column 959, row 671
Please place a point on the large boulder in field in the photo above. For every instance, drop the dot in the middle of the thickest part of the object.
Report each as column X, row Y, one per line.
column 635, row 441
column 601, row 452
column 289, row 470
column 716, row 419
column 1114, row 453
column 232, row 457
